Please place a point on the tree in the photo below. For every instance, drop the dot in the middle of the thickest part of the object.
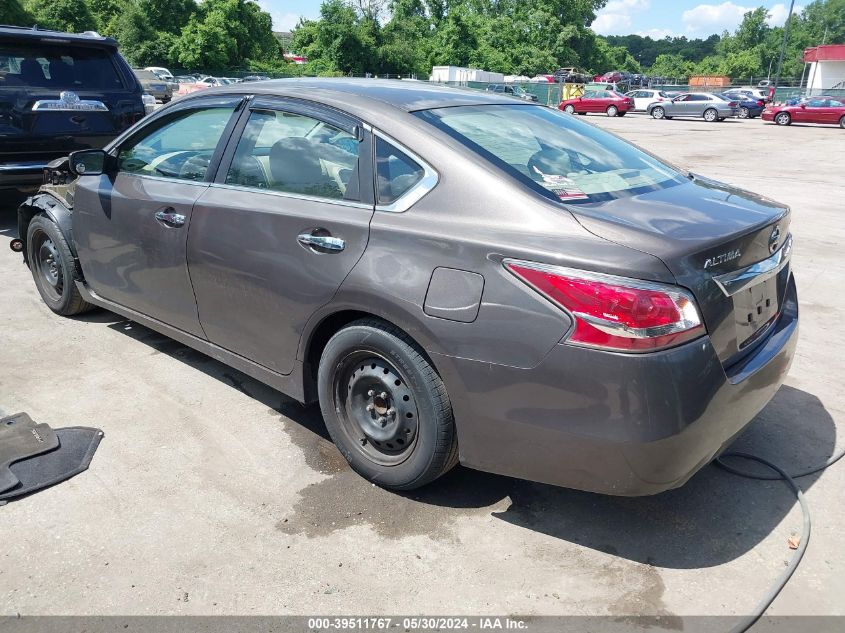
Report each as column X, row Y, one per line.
column 71, row 16
column 670, row 66
column 168, row 16
column 12, row 12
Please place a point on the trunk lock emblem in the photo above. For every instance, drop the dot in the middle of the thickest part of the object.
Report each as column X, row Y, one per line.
column 773, row 239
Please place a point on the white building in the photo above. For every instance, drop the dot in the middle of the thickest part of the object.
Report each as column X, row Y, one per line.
column 457, row 74
column 827, row 67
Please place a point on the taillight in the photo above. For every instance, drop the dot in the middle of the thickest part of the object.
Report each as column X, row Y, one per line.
column 732, row 104
column 761, row 103
column 615, row 313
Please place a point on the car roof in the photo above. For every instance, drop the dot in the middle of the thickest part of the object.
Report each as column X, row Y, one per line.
column 88, row 38
column 369, row 95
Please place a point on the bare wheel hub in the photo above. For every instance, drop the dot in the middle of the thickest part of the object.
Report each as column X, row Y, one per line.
column 379, row 408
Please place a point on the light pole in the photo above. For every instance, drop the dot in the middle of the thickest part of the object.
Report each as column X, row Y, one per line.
column 783, row 47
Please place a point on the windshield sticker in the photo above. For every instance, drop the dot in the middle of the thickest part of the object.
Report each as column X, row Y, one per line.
column 563, row 187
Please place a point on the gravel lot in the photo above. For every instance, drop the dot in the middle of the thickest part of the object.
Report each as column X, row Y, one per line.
column 213, row 494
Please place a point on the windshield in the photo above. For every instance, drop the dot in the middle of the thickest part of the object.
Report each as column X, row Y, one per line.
column 57, row 68
column 555, row 153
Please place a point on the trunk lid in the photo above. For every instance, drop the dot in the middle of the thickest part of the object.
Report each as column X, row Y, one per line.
column 705, row 232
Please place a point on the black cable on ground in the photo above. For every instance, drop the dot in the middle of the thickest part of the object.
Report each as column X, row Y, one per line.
column 748, row 621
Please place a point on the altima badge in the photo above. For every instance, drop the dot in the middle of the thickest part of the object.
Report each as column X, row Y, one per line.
column 723, row 258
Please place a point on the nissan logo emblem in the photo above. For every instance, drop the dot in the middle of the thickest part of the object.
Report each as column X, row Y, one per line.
column 773, row 239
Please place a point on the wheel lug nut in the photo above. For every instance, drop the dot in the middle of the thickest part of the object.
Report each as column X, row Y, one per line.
column 383, row 395
column 371, row 406
column 391, row 411
column 371, row 393
column 382, row 420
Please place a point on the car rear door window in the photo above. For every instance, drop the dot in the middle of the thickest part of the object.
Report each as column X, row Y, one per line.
column 58, row 68
column 181, row 147
column 396, row 172
column 293, row 153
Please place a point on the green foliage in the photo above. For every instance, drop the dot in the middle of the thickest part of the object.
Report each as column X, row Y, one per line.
column 62, row 15
column 13, row 12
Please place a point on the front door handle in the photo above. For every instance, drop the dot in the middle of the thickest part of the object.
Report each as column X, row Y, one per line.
column 325, row 243
column 170, row 218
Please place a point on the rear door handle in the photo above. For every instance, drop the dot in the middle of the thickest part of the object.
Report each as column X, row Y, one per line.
column 170, row 218
column 321, row 242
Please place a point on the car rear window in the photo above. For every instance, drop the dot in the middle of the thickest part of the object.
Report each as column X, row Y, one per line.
column 555, row 153
column 57, row 68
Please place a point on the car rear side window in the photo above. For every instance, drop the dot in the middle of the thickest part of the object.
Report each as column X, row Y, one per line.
column 396, row 172
column 293, row 153
column 58, row 68
column 554, row 153
column 180, row 148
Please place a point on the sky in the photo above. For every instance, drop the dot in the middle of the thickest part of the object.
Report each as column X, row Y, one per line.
column 657, row 18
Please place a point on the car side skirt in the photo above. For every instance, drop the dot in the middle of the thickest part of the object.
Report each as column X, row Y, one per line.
column 290, row 384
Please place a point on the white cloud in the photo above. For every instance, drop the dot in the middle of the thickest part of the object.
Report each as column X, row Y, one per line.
column 617, row 16
column 706, row 19
column 777, row 14
column 657, row 34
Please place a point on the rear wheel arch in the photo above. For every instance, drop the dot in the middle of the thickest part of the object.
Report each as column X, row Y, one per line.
column 316, row 338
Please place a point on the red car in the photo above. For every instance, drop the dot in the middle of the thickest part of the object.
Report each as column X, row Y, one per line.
column 824, row 110
column 606, row 101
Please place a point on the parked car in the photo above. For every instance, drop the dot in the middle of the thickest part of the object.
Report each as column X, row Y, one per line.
column 59, row 92
column 824, row 110
column 644, row 97
column 186, row 84
column 707, row 106
column 256, row 78
column 605, row 101
column 747, row 108
column 747, row 93
column 161, row 72
column 516, row 91
column 575, row 322
column 614, row 76
column 153, row 85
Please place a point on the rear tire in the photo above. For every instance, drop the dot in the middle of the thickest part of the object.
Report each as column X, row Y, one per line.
column 658, row 112
column 612, row 111
column 783, row 118
column 622, row 114
column 53, row 267
column 744, row 113
column 842, row 122
column 710, row 115
column 385, row 406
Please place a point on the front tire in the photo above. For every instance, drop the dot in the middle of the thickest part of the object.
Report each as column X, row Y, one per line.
column 53, row 268
column 842, row 122
column 385, row 406
column 658, row 112
column 783, row 118
column 612, row 110
column 711, row 115
column 569, row 109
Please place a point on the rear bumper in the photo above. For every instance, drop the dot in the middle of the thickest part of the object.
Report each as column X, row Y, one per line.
column 22, row 175
column 620, row 424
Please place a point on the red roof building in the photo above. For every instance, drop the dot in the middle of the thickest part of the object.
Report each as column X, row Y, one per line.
column 827, row 67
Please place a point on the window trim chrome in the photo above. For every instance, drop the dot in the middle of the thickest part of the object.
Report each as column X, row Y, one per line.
column 294, row 196
column 413, row 195
column 734, row 281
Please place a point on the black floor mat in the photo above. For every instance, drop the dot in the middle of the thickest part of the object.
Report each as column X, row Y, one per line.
column 77, row 445
column 21, row 438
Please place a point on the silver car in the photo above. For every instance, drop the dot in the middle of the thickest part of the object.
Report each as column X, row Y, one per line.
column 708, row 106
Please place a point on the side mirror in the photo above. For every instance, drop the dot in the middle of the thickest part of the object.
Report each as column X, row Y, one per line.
column 87, row 162
column 803, row 106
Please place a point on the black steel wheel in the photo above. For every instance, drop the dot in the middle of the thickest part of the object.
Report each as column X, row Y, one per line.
column 53, row 268
column 385, row 406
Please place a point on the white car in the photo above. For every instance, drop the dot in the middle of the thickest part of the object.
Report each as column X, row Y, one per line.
column 747, row 93
column 161, row 72
column 642, row 98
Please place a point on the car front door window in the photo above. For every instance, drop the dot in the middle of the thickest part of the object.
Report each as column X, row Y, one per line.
column 181, row 148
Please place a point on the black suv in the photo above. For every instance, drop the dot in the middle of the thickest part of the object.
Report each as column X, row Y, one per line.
column 59, row 92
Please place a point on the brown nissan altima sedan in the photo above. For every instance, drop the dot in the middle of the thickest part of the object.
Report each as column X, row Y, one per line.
column 454, row 275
